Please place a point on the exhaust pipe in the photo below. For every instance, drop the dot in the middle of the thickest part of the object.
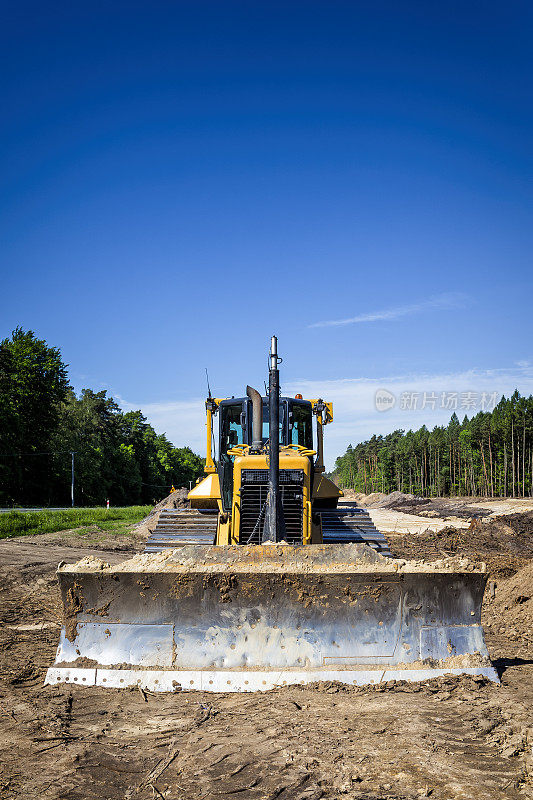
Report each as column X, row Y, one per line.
column 257, row 418
column 274, row 529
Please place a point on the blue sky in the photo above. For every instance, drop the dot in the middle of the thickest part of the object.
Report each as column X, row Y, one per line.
column 181, row 180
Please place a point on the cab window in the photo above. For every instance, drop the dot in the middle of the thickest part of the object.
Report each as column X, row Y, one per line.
column 266, row 421
column 300, row 426
column 231, row 431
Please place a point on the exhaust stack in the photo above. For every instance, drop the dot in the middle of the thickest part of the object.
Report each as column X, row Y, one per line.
column 257, row 419
column 274, row 529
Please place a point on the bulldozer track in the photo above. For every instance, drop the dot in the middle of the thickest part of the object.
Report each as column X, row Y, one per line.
column 351, row 524
column 343, row 525
column 182, row 526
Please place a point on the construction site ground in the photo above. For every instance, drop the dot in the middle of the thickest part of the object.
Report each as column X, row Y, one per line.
column 448, row 738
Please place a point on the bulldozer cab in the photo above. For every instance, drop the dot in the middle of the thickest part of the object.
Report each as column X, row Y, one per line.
column 235, row 426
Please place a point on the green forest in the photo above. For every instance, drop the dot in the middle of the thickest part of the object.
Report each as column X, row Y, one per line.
column 489, row 455
column 117, row 456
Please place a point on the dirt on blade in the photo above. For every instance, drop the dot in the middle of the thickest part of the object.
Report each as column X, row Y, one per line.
column 448, row 738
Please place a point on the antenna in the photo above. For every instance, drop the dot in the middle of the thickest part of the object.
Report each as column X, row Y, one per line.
column 208, row 387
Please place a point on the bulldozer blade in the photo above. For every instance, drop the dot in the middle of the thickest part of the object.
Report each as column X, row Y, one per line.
column 255, row 617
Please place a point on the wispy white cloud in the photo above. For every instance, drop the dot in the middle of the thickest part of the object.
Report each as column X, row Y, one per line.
column 449, row 300
column 355, row 415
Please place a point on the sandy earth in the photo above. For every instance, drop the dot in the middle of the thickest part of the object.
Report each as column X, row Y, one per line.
column 450, row 738
column 400, row 513
column 390, row 520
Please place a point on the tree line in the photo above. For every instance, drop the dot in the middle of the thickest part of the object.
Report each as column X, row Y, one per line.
column 489, row 455
column 117, row 456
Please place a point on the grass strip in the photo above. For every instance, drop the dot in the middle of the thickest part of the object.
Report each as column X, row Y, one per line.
column 21, row 523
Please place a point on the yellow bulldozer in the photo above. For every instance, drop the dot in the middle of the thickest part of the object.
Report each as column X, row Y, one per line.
column 230, row 505
column 268, row 578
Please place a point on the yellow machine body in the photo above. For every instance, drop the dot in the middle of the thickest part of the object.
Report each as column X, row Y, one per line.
column 316, row 486
column 217, row 604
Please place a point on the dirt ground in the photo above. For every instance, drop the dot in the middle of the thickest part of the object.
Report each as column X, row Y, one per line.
column 398, row 512
column 449, row 738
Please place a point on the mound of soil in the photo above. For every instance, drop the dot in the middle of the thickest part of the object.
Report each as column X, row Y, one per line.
column 444, row 507
column 177, row 499
column 437, row 507
column 381, row 500
column 421, row 506
column 504, row 543
column 509, row 605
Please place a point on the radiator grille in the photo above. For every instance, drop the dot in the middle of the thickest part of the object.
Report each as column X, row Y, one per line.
column 254, row 490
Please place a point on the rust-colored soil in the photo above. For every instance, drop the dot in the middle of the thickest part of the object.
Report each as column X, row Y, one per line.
column 450, row 738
